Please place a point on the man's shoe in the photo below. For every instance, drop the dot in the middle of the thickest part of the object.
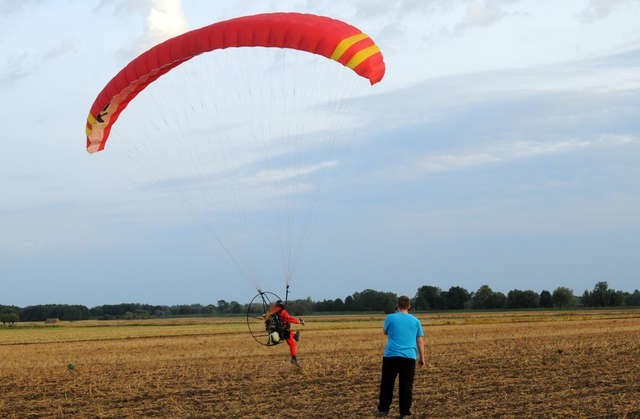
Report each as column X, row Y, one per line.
column 294, row 361
column 296, row 336
column 379, row 413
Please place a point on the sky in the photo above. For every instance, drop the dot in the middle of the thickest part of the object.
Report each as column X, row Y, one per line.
column 501, row 148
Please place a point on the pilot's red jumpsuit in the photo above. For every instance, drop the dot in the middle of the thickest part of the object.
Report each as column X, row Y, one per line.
column 286, row 320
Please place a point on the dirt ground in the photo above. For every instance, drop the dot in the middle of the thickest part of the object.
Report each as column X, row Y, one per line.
column 586, row 364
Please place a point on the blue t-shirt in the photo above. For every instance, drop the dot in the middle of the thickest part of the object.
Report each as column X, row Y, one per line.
column 403, row 329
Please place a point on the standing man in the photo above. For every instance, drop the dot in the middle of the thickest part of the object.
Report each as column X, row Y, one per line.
column 405, row 344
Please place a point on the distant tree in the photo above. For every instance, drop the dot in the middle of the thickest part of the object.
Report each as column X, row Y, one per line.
column 128, row 311
column 530, row 299
column 33, row 313
column 456, row 298
column 522, row 299
column 633, row 299
column 348, row 303
column 187, row 310
column 9, row 314
column 485, row 298
column 10, row 317
column 60, row 311
column 222, row 307
column 545, row 299
column 562, row 297
column 4, row 309
column 601, row 295
column 428, row 297
column 371, row 300
column 513, row 299
column 324, row 306
column 329, row 305
column 499, row 300
column 235, row 307
column 482, row 297
column 300, row 307
column 618, row 298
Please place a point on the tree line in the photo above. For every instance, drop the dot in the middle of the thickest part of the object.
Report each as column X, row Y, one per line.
column 431, row 297
column 427, row 297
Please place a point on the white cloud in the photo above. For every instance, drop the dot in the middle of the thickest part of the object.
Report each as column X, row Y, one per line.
column 22, row 64
column 165, row 20
column 504, row 152
column 8, row 7
column 575, row 90
column 286, row 174
column 599, row 9
column 471, row 37
column 264, row 188
column 62, row 48
column 482, row 13
column 568, row 214
column 15, row 68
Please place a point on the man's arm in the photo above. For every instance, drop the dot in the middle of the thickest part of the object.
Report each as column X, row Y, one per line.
column 420, row 343
column 285, row 316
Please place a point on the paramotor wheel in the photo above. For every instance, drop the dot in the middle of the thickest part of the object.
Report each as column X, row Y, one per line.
column 256, row 312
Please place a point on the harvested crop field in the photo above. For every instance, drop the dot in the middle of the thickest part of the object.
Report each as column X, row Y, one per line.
column 538, row 363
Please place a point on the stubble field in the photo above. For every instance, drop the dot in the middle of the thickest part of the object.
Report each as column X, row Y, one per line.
column 519, row 364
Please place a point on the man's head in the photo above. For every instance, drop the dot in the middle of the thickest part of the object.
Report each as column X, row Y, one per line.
column 404, row 303
column 280, row 304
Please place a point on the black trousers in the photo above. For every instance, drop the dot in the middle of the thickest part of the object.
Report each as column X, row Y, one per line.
column 392, row 367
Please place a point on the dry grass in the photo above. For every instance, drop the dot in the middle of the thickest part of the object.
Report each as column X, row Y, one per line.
column 577, row 364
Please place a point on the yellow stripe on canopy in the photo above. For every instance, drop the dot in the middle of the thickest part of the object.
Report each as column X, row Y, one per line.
column 90, row 122
column 360, row 56
column 346, row 43
column 91, row 119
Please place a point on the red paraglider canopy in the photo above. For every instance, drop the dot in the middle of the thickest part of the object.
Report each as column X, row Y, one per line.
column 320, row 35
